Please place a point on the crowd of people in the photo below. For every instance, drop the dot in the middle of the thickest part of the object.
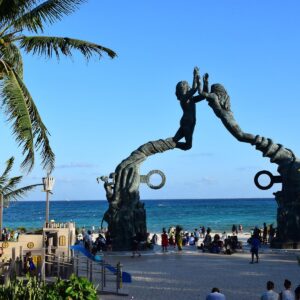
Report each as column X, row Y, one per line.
column 266, row 234
column 102, row 241
column 200, row 238
column 259, row 237
column 10, row 235
column 175, row 237
column 286, row 294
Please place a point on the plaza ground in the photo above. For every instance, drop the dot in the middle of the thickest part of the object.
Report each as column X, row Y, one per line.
column 192, row 274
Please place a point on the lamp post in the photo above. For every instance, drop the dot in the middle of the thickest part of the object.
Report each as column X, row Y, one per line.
column 48, row 183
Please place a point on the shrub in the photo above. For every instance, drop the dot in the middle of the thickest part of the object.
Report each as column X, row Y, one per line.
column 75, row 288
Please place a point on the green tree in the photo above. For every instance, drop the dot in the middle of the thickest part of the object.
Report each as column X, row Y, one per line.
column 9, row 190
column 18, row 17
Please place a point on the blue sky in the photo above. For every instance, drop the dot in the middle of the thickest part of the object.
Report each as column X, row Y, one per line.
column 99, row 112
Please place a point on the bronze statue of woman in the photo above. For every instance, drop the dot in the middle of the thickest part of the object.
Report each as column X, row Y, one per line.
column 219, row 100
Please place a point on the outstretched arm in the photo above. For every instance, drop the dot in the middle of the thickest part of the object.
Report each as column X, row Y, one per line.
column 210, row 97
column 200, row 97
column 191, row 92
column 205, row 83
column 196, row 78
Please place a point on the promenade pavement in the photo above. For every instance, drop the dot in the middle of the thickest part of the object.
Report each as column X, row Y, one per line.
column 191, row 274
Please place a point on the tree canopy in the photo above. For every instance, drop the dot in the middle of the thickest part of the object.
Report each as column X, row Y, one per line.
column 18, row 17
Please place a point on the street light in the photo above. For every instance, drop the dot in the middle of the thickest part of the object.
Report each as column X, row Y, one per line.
column 48, row 183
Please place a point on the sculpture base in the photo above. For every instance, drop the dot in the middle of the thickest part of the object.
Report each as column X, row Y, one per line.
column 124, row 223
column 277, row 244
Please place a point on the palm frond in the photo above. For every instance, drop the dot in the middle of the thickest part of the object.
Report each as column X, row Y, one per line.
column 4, row 176
column 40, row 132
column 27, row 123
column 12, row 55
column 16, row 108
column 48, row 46
column 19, row 193
column 12, row 9
column 47, row 12
column 11, row 184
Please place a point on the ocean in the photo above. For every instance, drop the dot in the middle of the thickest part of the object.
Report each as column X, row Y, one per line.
column 219, row 214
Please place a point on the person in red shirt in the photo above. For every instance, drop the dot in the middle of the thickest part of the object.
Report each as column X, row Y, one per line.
column 164, row 240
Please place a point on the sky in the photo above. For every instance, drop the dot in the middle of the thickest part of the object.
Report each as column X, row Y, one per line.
column 98, row 112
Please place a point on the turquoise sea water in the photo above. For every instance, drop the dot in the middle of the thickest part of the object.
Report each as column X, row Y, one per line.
column 219, row 214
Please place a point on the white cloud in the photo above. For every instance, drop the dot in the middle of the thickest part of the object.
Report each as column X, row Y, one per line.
column 208, row 180
column 76, row 165
column 247, row 168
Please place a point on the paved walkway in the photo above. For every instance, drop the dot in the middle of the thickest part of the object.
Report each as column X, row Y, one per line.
column 191, row 274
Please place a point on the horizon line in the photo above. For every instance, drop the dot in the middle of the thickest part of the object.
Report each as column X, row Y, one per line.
column 168, row 199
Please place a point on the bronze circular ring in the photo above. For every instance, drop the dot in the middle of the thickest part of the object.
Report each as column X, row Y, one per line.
column 265, row 172
column 163, row 179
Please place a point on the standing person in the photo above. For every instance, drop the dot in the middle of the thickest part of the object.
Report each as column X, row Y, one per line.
column 234, row 229
column 154, row 239
column 203, row 231
column 206, row 245
column 255, row 243
column 164, row 241
column 135, row 241
column 265, row 234
column 215, row 295
column 29, row 264
column 172, row 237
column 256, row 232
column 178, row 237
column 287, row 294
column 270, row 294
column 88, row 240
column 271, row 233
column 196, row 235
column 241, row 228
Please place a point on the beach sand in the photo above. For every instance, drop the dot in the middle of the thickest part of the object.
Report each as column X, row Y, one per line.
column 191, row 274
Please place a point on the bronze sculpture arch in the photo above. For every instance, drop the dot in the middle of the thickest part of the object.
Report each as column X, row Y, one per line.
column 126, row 215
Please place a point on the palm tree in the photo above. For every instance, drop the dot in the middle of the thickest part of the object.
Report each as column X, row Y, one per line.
column 16, row 17
column 8, row 190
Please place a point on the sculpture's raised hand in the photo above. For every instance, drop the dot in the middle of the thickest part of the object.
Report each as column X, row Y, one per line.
column 196, row 71
column 205, row 77
column 196, row 74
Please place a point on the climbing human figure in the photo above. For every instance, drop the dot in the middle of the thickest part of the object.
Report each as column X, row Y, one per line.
column 219, row 101
column 188, row 101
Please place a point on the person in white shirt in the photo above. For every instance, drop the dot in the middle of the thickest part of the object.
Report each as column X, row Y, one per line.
column 215, row 295
column 287, row 294
column 270, row 294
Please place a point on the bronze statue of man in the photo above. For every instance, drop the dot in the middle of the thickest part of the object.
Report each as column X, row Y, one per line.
column 188, row 101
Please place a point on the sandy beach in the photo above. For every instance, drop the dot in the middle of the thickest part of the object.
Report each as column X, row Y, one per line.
column 191, row 274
